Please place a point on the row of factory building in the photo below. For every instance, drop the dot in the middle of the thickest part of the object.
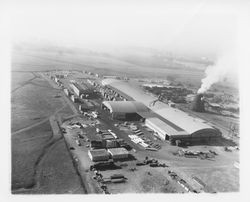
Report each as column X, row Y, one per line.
column 82, row 90
column 105, row 145
column 105, row 154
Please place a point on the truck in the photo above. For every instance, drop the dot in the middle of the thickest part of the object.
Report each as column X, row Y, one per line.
column 112, row 133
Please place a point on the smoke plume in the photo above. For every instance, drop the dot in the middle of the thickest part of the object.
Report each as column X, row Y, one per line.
column 224, row 68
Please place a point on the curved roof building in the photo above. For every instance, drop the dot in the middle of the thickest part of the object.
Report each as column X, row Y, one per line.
column 125, row 107
column 161, row 115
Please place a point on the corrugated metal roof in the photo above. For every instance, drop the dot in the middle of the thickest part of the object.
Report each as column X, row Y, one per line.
column 166, row 128
column 125, row 106
column 117, row 151
column 182, row 119
column 132, row 91
column 121, row 93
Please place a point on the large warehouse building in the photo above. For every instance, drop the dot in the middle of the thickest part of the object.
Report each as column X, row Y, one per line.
column 80, row 90
column 125, row 109
column 168, row 123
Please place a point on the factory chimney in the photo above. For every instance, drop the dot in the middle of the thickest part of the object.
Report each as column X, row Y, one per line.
column 198, row 103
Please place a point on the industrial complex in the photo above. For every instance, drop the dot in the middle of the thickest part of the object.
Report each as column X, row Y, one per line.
column 126, row 98
column 124, row 139
column 119, row 119
column 168, row 123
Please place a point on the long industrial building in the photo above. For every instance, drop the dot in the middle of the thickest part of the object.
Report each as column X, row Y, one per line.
column 80, row 89
column 167, row 123
column 125, row 109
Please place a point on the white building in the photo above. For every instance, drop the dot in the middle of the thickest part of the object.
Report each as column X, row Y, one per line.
column 98, row 155
column 118, row 153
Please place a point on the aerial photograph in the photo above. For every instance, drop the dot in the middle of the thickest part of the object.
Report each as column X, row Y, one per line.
column 125, row 97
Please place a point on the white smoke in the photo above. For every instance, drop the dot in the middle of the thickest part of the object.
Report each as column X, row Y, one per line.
column 224, row 68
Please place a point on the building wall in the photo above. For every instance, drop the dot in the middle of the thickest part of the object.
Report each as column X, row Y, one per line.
column 126, row 116
column 159, row 132
column 194, row 139
column 116, row 115
column 95, row 158
column 119, row 156
column 115, row 155
column 76, row 90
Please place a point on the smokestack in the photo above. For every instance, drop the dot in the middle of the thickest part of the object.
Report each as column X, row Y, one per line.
column 198, row 103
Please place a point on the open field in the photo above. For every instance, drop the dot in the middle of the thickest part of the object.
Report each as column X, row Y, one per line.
column 56, row 174
column 221, row 179
column 18, row 80
column 125, row 62
column 27, row 149
column 32, row 103
column 42, row 165
column 37, row 156
column 100, row 64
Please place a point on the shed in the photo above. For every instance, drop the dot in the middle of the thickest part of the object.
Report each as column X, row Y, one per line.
column 98, row 155
column 118, row 153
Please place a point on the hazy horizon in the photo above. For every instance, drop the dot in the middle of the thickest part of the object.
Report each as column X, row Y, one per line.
column 202, row 28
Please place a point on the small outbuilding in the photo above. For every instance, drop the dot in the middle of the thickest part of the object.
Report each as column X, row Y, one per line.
column 98, row 155
column 118, row 153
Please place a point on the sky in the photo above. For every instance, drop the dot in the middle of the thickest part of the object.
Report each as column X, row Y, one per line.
column 194, row 26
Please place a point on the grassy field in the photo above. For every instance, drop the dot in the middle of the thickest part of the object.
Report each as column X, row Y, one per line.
column 32, row 103
column 219, row 179
column 27, row 148
column 18, row 79
column 101, row 64
column 56, row 174
column 131, row 63
column 40, row 164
